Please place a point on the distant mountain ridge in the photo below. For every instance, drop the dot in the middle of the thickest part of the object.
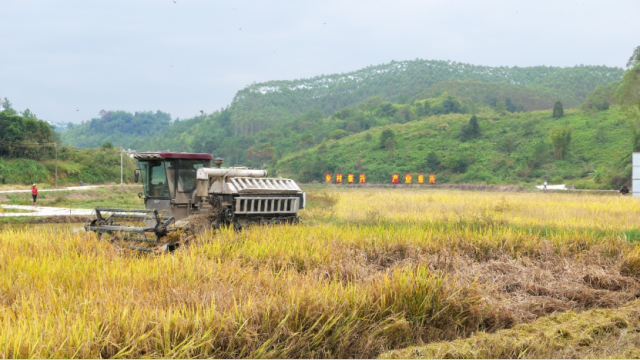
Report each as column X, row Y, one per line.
column 261, row 105
column 273, row 119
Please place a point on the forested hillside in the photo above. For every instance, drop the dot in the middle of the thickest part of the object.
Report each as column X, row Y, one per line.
column 262, row 106
column 422, row 111
column 118, row 127
column 27, row 154
column 258, row 106
column 589, row 150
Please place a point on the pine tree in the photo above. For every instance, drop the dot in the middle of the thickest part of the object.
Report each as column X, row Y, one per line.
column 474, row 127
column 558, row 111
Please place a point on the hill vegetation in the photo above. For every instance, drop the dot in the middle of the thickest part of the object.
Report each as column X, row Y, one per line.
column 260, row 107
column 118, row 127
column 333, row 123
column 587, row 150
column 28, row 152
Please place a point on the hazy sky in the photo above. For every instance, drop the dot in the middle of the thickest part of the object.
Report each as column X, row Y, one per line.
column 68, row 59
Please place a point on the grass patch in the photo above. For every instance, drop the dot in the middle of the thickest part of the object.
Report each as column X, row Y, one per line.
column 14, row 211
column 112, row 196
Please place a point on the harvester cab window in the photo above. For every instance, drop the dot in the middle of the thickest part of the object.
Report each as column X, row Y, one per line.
column 154, row 179
column 187, row 170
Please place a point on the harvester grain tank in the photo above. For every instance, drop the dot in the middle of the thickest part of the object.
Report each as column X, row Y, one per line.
column 182, row 188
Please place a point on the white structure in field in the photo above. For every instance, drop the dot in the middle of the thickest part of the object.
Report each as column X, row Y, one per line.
column 635, row 175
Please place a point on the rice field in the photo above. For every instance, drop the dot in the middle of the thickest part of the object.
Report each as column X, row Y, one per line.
column 368, row 273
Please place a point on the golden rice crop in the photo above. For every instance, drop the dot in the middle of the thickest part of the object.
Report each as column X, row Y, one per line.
column 366, row 272
column 573, row 211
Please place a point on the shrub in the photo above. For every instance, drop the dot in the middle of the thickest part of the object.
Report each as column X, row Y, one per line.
column 560, row 139
column 558, row 111
column 387, row 138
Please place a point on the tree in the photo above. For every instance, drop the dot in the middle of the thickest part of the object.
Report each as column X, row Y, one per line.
column 8, row 108
column 28, row 114
column 342, row 114
column 474, row 127
column 337, row 134
column 558, row 111
column 427, row 108
column 628, row 95
column 470, row 130
column 353, row 126
column 510, row 106
column 433, row 161
column 635, row 58
column 538, row 155
column 106, row 145
column 507, row 144
column 387, row 139
column 457, row 163
column 560, row 139
column 501, row 108
column 260, row 154
column 306, row 141
column 451, row 105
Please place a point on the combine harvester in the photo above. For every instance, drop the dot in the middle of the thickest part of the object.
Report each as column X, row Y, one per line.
column 184, row 194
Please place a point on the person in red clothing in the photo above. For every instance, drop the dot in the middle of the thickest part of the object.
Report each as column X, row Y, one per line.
column 34, row 192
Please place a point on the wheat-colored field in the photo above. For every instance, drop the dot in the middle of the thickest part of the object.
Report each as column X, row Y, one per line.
column 367, row 272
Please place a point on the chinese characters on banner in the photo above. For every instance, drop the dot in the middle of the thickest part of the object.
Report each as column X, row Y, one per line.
column 350, row 178
column 395, row 178
column 408, row 178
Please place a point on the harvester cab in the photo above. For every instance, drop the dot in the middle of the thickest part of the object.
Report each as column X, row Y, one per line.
column 169, row 181
column 184, row 190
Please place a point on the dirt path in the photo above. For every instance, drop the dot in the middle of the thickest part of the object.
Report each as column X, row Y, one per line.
column 42, row 211
column 71, row 188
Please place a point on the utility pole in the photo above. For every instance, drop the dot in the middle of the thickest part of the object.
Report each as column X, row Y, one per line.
column 121, row 166
column 55, row 145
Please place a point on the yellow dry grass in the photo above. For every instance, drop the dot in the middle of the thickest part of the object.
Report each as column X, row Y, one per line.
column 367, row 271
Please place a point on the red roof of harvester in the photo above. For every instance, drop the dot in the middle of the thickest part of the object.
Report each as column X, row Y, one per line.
column 173, row 155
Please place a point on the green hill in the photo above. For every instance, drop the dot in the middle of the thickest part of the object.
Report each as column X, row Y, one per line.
column 28, row 155
column 261, row 105
column 510, row 148
column 121, row 128
column 333, row 123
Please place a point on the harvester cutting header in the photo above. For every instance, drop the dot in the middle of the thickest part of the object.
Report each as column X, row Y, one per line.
column 178, row 186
